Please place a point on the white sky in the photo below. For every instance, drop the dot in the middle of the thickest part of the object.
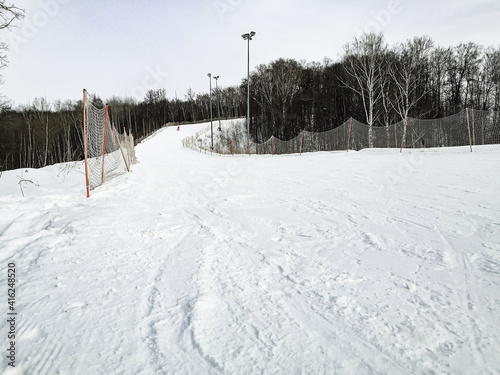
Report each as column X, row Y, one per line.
column 125, row 47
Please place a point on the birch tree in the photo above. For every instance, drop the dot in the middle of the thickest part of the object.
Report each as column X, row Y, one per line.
column 364, row 63
column 409, row 73
column 386, row 86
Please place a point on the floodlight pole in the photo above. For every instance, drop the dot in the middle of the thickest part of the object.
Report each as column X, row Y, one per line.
column 218, row 100
column 211, row 121
column 248, row 37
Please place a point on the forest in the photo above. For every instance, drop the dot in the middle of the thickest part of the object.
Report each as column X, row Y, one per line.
column 372, row 82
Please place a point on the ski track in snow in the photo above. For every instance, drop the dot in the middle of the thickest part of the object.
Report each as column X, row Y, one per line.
column 369, row 262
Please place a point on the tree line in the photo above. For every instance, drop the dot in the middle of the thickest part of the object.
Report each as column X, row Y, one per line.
column 372, row 82
column 43, row 133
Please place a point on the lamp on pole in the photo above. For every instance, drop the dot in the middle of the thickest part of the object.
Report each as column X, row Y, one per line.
column 211, row 124
column 218, row 100
column 248, row 37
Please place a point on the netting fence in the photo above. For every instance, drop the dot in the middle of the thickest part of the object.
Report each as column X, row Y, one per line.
column 107, row 153
column 466, row 128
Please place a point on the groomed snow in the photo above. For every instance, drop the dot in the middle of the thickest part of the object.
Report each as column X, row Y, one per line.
column 370, row 262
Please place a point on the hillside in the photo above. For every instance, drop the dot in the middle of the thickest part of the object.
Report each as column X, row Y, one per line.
column 369, row 262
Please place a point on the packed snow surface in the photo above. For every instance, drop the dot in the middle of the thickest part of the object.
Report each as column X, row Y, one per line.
column 370, row 262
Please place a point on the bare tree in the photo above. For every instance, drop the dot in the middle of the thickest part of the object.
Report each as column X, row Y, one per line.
column 461, row 70
column 234, row 101
column 482, row 85
column 41, row 109
column 439, row 59
column 275, row 87
column 492, row 78
column 63, row 113
column 287, row 76
column 364, row 63
column 409, row 74
column 386, row 86
column 190, row 99
column 263, row 86
column 8, row 14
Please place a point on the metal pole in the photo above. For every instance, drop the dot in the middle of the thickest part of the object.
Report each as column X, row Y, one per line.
column 248, row 37
column 248, row 97
column 211, row 121
column 218, row 100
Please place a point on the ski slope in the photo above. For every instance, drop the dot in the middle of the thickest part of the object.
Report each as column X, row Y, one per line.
column 369, row 262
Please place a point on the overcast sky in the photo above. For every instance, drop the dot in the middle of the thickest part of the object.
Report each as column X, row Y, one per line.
column 126, row 47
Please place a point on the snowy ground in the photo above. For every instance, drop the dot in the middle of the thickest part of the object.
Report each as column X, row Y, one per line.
column 369, row 262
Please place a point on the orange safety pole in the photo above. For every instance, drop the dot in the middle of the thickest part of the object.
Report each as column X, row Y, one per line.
column 232, row 150
column 104, row 144
column 85, row 141
column 349, row 137
column 272, row 145
column 119, row 145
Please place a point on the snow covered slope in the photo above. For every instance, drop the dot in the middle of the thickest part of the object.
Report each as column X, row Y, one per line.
column 369, row 262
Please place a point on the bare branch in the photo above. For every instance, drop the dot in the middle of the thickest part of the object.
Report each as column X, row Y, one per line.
column 8, row 14
column 24, row 180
